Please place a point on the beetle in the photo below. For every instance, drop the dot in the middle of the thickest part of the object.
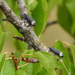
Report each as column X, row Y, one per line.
column 29, row 19
column 56, row 52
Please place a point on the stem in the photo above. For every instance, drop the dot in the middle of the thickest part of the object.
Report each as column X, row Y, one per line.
column 15, row 62
column 22, row 65
column 65, row 67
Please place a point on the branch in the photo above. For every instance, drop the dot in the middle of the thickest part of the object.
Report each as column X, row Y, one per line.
column 50, row 24
column 20, row 25
column 22, row 7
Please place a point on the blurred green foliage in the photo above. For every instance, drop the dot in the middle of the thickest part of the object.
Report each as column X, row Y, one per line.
column 66, row 16
column 48, row 65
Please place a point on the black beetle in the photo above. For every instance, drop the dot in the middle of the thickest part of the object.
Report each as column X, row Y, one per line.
column 29, row 19
column 56, row 52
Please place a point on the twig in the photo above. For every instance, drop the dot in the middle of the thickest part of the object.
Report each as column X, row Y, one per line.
column 15, row 60
column 65, row 67
column 51, row 23
column 18, row 38
column 22, row 65
column 25, row 55
column 4, row 19
column 30, row 60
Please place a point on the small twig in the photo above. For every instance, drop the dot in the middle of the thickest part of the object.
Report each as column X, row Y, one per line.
column 8, row 58
column 22, row 65
column 15, row 60
column 25, row 55
column 19, row 38
column 65, row 67
column 51, row 23
column 4, row 19
column 31, row 60
column 7, row 53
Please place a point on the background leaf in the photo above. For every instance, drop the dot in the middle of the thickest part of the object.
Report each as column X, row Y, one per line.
column 64, row 18
column 72, row 69
column 8, row 68
column 70, row 5
column 51, row 4
column 2, row 60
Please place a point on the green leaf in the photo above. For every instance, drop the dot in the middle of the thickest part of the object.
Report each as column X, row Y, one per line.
column 8, row 68
column 51, row 4
column 42, row 72
column 70, row 5
column 58, row 45
column 2, row 60
column 45, row 63
column 64, row 18
column 72, row 69
column 40, row 16
column 2, row 38
column 20, row 72
column 20, row 45
column 60, row 2
column 14, row 6
column 73, row 52
column 36, row 68
column 27, row 68
column 53, row 63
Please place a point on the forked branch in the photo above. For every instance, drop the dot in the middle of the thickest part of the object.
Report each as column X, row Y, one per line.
column 27, row 31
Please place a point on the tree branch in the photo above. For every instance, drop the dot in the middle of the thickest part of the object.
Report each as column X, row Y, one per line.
column 22, row 7
column 20, row 25
column 50, row 24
